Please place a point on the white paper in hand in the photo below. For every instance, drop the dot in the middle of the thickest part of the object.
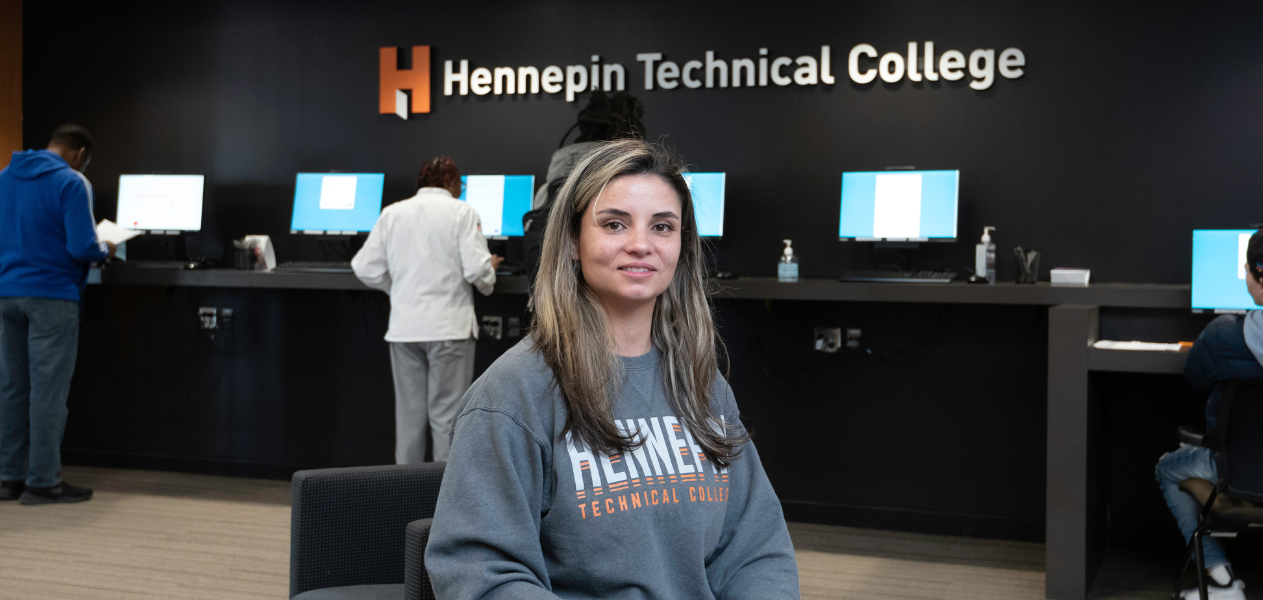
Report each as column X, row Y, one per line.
column 107, row 231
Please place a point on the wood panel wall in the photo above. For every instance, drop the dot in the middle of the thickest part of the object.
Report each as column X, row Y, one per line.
column 10, row 79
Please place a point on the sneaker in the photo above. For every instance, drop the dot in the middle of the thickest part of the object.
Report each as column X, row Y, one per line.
column 58, row 494
column 1235, row 590
column 10, row 490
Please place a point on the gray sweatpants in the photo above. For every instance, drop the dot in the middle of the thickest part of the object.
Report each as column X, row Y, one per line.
column 430, row 379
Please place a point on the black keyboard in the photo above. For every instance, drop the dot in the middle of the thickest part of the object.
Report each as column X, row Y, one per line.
column 507, row 269
column 895, row 276
column 151, row 264
column 308, row 266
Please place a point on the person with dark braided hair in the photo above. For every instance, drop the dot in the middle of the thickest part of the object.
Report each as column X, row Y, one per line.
column 426, row 252
column 604, row 118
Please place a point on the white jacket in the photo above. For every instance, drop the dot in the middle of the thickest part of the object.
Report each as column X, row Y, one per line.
column 425, row 252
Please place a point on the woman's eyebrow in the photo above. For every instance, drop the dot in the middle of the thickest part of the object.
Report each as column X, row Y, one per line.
column 622, row 213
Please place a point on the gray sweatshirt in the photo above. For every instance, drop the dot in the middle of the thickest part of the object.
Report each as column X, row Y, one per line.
column 523, row 513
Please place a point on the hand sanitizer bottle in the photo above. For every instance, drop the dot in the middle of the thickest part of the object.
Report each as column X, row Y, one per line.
column 787, row 271
column 984, row 257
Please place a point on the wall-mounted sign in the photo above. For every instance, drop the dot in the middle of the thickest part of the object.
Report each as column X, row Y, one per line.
column 396, row 86
column 405, row 91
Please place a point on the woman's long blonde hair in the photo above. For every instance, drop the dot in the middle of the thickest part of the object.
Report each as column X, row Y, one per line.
column 570, row 327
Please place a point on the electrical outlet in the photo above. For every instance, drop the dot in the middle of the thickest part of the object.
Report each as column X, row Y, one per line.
column 828, row 339
column 225, row 319
column 209, row 317
column 515, row 327
column 491, row 327
column 853, row 338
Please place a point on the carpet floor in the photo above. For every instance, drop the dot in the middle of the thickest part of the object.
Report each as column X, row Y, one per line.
column 149, row 534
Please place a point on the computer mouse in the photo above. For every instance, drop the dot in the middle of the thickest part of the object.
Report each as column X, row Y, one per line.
column 725, row 275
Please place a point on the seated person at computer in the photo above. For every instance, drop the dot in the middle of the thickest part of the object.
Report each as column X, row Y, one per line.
column 603, row 456
column 1230, row 347
column 426, row 252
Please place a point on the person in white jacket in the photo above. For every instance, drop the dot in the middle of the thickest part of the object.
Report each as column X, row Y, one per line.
column 428, row 253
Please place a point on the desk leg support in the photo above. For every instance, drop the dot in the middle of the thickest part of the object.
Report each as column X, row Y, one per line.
column 1075, row 517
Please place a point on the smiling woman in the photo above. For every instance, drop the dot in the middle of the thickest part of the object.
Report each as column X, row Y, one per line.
column 621, row 271
column 629, row 243
column 615, row 397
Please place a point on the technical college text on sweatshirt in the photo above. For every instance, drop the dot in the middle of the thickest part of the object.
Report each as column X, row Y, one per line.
column 523, row 513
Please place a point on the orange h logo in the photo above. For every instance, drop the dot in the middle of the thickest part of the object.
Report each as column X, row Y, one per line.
column 393, row 82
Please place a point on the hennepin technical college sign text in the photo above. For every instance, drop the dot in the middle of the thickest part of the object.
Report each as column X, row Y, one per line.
column 405, row 91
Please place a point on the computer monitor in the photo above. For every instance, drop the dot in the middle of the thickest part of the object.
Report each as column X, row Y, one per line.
column 337, row 203
column 1219, row 274
column 899, row 206
column 501, row 201
column 160, row 203
column 708, row 202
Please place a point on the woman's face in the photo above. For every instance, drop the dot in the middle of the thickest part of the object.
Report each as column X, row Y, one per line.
column 629, row 241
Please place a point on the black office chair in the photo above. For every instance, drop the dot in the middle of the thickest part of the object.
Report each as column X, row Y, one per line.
column 1235, row 504
column 359, row 533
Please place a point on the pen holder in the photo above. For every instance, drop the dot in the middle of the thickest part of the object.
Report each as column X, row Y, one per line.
column 243, row 258
column 1027, row 264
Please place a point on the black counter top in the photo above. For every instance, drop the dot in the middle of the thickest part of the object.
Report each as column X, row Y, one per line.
column 1134, row 295
column 233, row 278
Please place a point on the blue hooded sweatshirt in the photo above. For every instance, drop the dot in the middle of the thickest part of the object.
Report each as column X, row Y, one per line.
column 47, row 232
column 1220, row 354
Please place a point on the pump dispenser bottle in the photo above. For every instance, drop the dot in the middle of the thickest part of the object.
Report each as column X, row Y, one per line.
column 984, row 258
column 787, row 271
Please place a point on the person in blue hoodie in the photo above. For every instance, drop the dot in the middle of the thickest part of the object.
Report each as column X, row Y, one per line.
column 47, row 241
column 1230, row 347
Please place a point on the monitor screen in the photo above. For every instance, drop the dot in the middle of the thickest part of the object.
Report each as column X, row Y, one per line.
column 337, row 203
column 501, row 201
column 160, row 202
column 708, row 202
column 913, row 206
column 1219, row 269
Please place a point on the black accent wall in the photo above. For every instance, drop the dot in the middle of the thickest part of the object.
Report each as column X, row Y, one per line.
column 1134, row 124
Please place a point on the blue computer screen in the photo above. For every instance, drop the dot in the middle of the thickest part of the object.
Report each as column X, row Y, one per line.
column 899, row 205
column 501, row 201
column 1219, row 269
column 337, row 201
column 708, row 202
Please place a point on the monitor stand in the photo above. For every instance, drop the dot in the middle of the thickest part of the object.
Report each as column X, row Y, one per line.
column 159, row 247
column 896, row 245
column 510, row 249
column 191, row 242
column 339, row 247
column 498, row 246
